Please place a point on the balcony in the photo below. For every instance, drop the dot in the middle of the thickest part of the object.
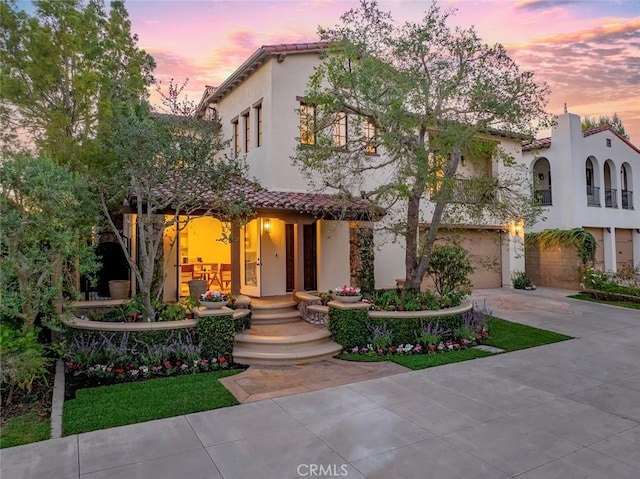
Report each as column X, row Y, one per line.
column 543, row 196
column 610, row 198
column 593, row 196
column 627, row 200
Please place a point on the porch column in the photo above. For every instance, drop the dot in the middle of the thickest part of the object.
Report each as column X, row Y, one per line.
column 609, row 243
column 235, row 259
column 298, row 239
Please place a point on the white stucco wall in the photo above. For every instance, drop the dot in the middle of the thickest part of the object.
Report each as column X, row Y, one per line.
column 333, row 254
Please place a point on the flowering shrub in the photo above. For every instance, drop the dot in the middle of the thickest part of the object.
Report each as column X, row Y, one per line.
column 346, row 291
column 214, row 296
column 625, row 282
column 123, row 358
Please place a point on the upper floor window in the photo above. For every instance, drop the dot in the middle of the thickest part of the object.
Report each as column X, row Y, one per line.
column 340, row 130
column 609, row 142
column 247, row 132
column 369, row 133
column 236, row 137
column 307, row 124
column 259, row 126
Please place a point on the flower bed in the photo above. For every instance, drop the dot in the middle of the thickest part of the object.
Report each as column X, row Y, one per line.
column 359, row 330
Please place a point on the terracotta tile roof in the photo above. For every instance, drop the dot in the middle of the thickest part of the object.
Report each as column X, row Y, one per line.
column 263, row 200
column 546, row 142
column 537, row 144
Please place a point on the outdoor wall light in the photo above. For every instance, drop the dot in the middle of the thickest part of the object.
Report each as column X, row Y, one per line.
column 266, row 225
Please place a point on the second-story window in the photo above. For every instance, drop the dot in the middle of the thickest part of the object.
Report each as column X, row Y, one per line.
column 236, row 137
column 247, row 132
column 307, row 124
column 340, row 130
column 369, row 133
column 259, row 130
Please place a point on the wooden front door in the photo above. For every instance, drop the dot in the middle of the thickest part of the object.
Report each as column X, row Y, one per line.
column 309, row 257
column 290, row 259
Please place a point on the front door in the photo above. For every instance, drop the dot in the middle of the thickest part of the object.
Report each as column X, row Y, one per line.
column 309, row 257
column 290, row 259
column 250, row 258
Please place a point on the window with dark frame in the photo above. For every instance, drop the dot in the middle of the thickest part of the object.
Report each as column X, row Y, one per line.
column 307, row 124
column 340, row 130
column 247, row 132
column 370, row 138
column 609, row 142
column 259, row 127
column 236, row 137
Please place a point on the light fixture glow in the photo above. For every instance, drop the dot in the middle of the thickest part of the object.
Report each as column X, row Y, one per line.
column 266, row 225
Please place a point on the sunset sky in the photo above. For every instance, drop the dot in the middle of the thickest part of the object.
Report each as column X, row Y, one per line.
column 587, row 51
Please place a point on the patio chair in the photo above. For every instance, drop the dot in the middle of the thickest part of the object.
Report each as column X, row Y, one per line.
column 225, row 275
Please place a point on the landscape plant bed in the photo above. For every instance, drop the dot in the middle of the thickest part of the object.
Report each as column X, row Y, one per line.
column 612, row 296
column 130, row 403
column 27, row 418
column 503, row 334
column 622, row 303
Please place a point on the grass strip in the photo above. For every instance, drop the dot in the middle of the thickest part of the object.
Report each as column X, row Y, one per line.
column 588, row 297
column 24, row 430
column 130, row 403
column 505, row 335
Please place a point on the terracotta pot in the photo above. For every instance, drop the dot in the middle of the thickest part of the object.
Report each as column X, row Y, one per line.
column 119, row 288
column 197, row 287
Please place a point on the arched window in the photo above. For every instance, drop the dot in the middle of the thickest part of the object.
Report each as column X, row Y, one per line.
column 610, row 190
column 626, row 186
column 593, row 191
column 542, row 181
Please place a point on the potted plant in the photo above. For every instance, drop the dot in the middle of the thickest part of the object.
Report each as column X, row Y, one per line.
column 214, row 299
column 119, row 288
column 347, row 294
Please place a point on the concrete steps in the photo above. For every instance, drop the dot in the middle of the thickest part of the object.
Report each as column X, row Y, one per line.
column 278, row 336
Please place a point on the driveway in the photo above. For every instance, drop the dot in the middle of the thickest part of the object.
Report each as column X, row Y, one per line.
column 569, row 409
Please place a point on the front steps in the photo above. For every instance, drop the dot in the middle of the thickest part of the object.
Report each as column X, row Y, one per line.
column 278, row 336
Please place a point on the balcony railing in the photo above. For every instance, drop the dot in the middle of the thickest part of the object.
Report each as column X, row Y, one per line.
column 593, row 196
column 610, row 198
column 627, row 200
column 543, row 196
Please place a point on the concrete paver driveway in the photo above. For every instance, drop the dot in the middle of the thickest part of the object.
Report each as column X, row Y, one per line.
column 569, row 410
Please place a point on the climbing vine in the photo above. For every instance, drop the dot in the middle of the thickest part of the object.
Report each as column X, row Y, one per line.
column 581, row 239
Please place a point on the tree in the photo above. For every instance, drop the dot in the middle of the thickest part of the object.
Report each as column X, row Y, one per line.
column 168, row 167
column 62, row 69
column 423, row 95
column 45, row 223
column 615, row 123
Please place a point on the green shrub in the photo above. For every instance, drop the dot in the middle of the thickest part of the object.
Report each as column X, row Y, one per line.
column 242, row 324
column 520, row 280
column 217, row 335
column 449, row 268
column 349, row 327
column 608, row 283
column 22, row 361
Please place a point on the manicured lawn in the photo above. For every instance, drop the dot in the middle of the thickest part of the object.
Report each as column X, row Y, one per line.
column 129, row 403
column 504, row 335
column 24, row 430
column 513, row 336
column 588, row 297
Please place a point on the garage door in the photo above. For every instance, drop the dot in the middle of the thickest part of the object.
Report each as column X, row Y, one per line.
column 485, row 253
column 624, row 248
column 598, row 234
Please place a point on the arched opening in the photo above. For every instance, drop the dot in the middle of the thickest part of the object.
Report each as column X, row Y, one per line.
column 626, row 186
column 591, row 176
column 542, row 181
column 610, row 190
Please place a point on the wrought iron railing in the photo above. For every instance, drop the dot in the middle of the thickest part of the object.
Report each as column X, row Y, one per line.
column 479, row 190
column 611, row 198
column 593, row 196
column 543, row 196
column 627, row 199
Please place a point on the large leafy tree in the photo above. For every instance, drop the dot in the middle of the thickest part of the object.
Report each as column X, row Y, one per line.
column 421, row 94
column 46, row 220
column 168, row 165
column 61, row 70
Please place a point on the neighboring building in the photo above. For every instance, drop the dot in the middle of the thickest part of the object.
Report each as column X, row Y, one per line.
column 301, row 240
column 586, row 179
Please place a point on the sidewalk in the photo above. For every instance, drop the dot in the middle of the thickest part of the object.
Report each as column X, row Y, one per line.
column 568, row 409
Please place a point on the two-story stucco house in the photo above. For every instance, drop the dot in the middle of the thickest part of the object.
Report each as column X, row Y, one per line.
column 586, row 178
column 300, row 240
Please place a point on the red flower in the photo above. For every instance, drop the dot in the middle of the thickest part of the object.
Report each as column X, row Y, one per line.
column 223, row 360
column 167, row 365
column 119, row 371
column 178, row 363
